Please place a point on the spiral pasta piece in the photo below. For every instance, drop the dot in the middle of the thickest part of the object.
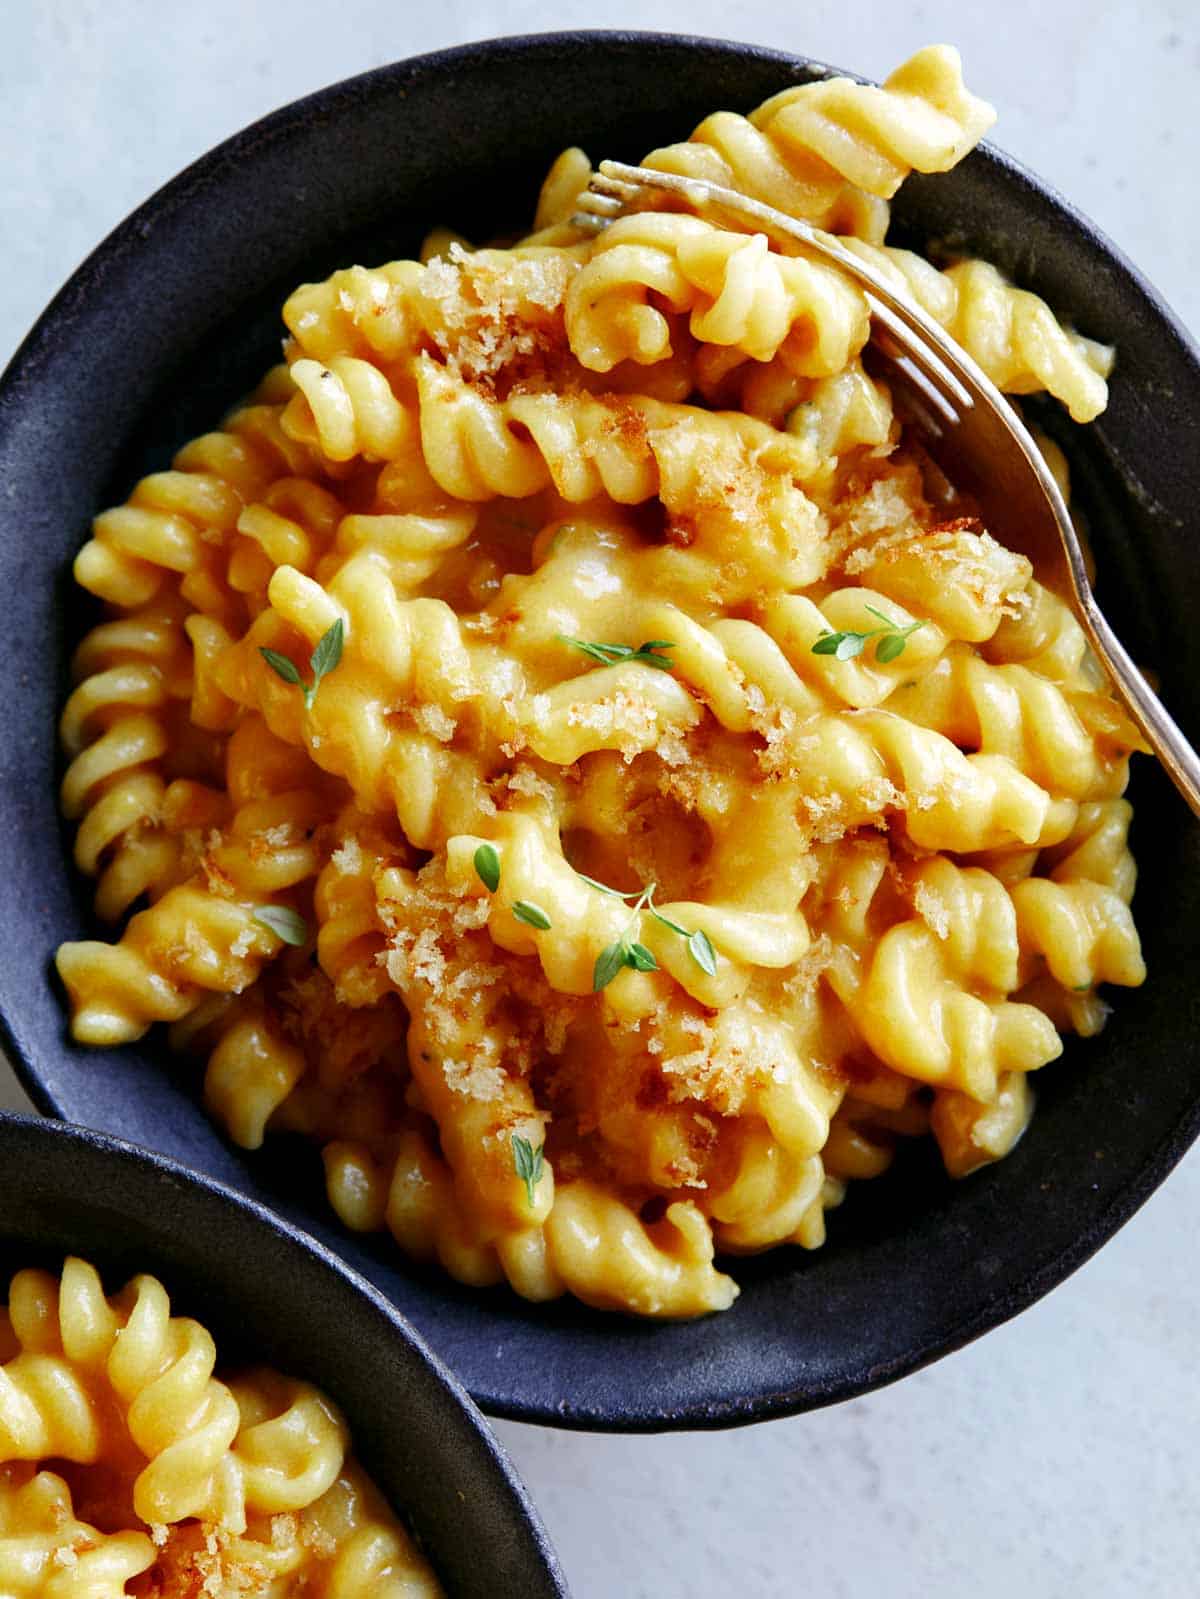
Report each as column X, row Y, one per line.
column 160, row 1370
column 568, row 177
column 610, row 1258
column 358, row 312
column 203, row 935
column 352, row 407
column 1097, row 849
column 477, row 448
column 1044, row 636
column 592, row 1244
column 929, row 1005
column 1012, row 333
column 1074, row 742
column 774, row 1197
column 47, row 1553
column 827, row 150
column 409, row 1189
column 178, row 521
column 118, row 727
column 923, row 119
column 971, row 1134
column 737, row 294
column 847, row 411
column 252, row 1070
column 292, row 524
column 1020, row 344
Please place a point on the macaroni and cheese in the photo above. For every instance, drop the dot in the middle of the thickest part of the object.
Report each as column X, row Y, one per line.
column 567, row 750
column 126, row 1467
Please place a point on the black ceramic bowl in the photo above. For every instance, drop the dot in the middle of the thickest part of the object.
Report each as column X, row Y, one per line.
column 270, row 1295
column 177, row 313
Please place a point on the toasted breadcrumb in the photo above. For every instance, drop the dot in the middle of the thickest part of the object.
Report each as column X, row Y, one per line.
column 490, row 312
column 932, row 909
column 809, row 969
column 475, row 1079
column 672, row 749
column 524, row 780
column 629, row 717
column 348, row 857
column 196, row 1561
column 434, row 721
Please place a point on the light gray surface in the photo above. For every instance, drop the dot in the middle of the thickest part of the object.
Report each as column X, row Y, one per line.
column 1055, row 1457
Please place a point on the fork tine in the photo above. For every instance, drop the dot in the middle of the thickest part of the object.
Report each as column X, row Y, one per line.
column 602, row 202
column 912, row 392
column 595, row 211
column 610, row 178
column 909, row 326
column 601, row 205
column 614, row 185
column 622, row 172
column 936, row 378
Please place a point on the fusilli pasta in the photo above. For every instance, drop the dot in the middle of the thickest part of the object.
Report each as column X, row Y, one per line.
column 122, row 1456
column 567, row 752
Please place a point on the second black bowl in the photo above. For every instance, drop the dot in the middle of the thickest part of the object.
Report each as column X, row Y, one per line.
column 178, row 313
column 271, row 1296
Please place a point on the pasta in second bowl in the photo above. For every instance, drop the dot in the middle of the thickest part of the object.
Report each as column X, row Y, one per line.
column 658, row 314
column 125, row 1460
column 146, row 1450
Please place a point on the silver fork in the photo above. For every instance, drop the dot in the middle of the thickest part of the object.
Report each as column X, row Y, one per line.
column 966, row 424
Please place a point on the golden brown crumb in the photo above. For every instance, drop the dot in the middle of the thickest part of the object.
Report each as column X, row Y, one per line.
column 348, row 857
column 490, row 315
column 196, row 1561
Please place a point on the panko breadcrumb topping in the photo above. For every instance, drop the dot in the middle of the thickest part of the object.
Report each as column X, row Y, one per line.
column 494, row 314
column 205, row 1562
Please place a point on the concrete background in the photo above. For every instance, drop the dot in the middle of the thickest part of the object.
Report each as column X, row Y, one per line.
column 1057, row 1456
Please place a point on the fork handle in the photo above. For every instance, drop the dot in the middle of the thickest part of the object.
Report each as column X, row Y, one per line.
column 1161, row 730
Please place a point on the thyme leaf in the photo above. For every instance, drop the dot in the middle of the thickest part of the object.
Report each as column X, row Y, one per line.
column 528, row 1163
column 532, row 915
column 847, row 644
column 611, row 654
column 623, row 951
column 323, row 660
column 284, row 922
column 487, row 867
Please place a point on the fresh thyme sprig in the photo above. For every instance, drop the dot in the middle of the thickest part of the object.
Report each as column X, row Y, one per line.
column 624, row 951
column 323, row 660
column 847, row 644
column 610, row 654
column 528, row 1162
column 487, row 868
column 284, row 922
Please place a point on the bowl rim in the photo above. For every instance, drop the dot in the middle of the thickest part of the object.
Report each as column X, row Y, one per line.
column 325, row 102
column 58, row 1141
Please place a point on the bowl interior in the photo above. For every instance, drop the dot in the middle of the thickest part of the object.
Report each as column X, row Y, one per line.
column 269, row 1297
column 177, row 314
